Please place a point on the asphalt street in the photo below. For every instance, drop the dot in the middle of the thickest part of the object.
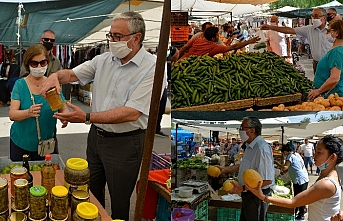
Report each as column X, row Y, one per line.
column 73, row 141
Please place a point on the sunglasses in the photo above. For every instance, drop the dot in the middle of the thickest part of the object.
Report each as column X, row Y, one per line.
column 49, row 39
column 42, row 63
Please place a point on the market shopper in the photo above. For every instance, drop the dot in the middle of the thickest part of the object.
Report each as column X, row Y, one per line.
column 206, row 45
column 12, row 74
column 258, row 156
column 315, row 34
column 307, row 151
column 24, row 131
column 332, row 15
column 278, row 42
column 202, row 32
column 324, row 196
column 122, row 88
column 48, row 40
column 232, row 150
column 327, row 79
column 298, row 174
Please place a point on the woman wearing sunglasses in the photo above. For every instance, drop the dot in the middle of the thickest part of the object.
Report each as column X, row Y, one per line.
column 24, row 131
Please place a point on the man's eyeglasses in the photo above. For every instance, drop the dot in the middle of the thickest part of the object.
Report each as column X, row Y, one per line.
column 316, row 16
column 241, row 128
column 117, row 37
column 49, row 39
column 42, row 63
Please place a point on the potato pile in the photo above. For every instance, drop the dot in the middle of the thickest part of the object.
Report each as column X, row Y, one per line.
column 333, row 103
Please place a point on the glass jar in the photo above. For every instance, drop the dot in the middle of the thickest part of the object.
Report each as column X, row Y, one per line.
column 37, row 203
column 32, row 219
column 5, row 214
column 3, row 195
column 25, row 211
column 17, row 216
column 59, row 202
column 54, row 99
column 86, row 212
column 21, row 194
column 52, row 219
column 17, row 173
column 76, row 173
column 78, row 196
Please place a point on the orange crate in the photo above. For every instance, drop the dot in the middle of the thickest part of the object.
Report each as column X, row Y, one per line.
column 179, row 33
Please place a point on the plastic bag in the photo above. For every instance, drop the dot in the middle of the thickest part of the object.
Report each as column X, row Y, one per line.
column 182, row 214
column 261, row 45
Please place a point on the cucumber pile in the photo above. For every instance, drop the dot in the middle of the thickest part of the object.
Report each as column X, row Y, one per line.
column 200, row 80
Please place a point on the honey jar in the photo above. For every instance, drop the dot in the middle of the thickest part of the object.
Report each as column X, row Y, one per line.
column 54, row 99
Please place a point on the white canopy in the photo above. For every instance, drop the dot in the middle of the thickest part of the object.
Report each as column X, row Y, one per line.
column 330, row 4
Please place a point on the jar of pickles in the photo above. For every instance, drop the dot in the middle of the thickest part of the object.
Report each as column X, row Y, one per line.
column 37, row 200
column 25, row 211
column 78, row 196
column 17, row 216
column 3, row 195
column 59, row 203
column 86, row 212
column 21, row 194
column 54, row 99
column 32, row 219
column 5, row 214
column 17, row 173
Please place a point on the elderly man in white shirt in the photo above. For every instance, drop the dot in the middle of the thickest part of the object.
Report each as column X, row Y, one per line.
column 316, row 34
column 122, row 88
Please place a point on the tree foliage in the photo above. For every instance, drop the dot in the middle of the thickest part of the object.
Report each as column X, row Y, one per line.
column 306, row 120
column 332, row 117
column 299, row 3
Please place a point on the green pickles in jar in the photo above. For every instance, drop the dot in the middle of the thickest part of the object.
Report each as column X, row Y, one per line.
column 21, row 194
column 86, row 212
column 59, row 203
column 37, row 202
column 3, row 195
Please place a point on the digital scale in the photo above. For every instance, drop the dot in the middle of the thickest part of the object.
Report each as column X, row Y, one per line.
column 197, row 185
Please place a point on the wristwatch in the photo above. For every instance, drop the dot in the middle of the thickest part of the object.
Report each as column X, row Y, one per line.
column 88, row 118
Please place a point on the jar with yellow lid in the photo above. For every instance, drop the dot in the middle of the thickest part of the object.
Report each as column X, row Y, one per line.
column 76, row 175
column 5, row 214
column 21, row 194
column 86, row 212
column 17, row 173
column 37, row 200
column 54, row 99
column 59, row 203
column 3, row 195
column 78, row 196
column 17, row 216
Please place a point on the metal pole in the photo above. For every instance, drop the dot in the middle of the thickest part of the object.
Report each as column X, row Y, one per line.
column 282, row 132
column 154, row 107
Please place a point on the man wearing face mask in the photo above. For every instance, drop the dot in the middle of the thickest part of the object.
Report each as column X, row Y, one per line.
column 258, row 156
column 278, row 42
column 332, row 15
column 122, row 88
column 316, row 34
column 48, row 40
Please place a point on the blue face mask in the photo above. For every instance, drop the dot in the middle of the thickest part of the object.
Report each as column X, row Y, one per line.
column 324, row 165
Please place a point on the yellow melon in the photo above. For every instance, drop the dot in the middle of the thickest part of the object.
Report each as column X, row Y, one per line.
column 227, row 185
column 251, row 178
column 213, row 171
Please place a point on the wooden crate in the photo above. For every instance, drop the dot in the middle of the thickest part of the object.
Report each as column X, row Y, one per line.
column 262, row 102
column 231, row 105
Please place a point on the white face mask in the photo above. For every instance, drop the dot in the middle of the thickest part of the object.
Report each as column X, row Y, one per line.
column 273, row 23
column 120, row 49
column 324, row 165
column 330, row 38
column 38, row 72
column 316, row 22
column 243, row 135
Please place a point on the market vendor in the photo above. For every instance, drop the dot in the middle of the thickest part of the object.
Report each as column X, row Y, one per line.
column 258, row 155
column 327, row 79
column 200, row 34
column 206, row 45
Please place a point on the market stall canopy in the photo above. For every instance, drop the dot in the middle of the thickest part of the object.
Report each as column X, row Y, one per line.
column 71, row 20
column 307, row 12
column 253, row 2
column 201, row 8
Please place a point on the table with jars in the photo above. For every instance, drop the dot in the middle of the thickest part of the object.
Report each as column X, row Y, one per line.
column 67, row 200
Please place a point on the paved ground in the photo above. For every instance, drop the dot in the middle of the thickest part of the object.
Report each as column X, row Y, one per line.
column 72, row 141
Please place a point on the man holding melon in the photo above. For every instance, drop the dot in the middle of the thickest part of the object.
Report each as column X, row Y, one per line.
column 258, row 156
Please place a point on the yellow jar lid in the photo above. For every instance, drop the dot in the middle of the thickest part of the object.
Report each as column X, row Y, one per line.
column 77, row 163
column 59, row 191
column 87, row 210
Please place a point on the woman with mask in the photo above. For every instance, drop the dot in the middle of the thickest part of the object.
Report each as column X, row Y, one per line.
column 297, row 171
column 327, row 79
column 324, row 196
column 24, row 131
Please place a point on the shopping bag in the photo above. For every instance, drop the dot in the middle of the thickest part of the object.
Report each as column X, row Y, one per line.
column 182, row 214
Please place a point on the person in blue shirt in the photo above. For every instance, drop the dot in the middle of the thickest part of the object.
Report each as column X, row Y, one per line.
column 296, row 168
column 232, row 150
column 327, row 79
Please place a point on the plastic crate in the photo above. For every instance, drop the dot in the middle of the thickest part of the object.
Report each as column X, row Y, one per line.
column 179, row 33
column 280, row 217
column 201, row 212
column 179, row 18
column 228, row 214
column 163, row 209
column 158, row 162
